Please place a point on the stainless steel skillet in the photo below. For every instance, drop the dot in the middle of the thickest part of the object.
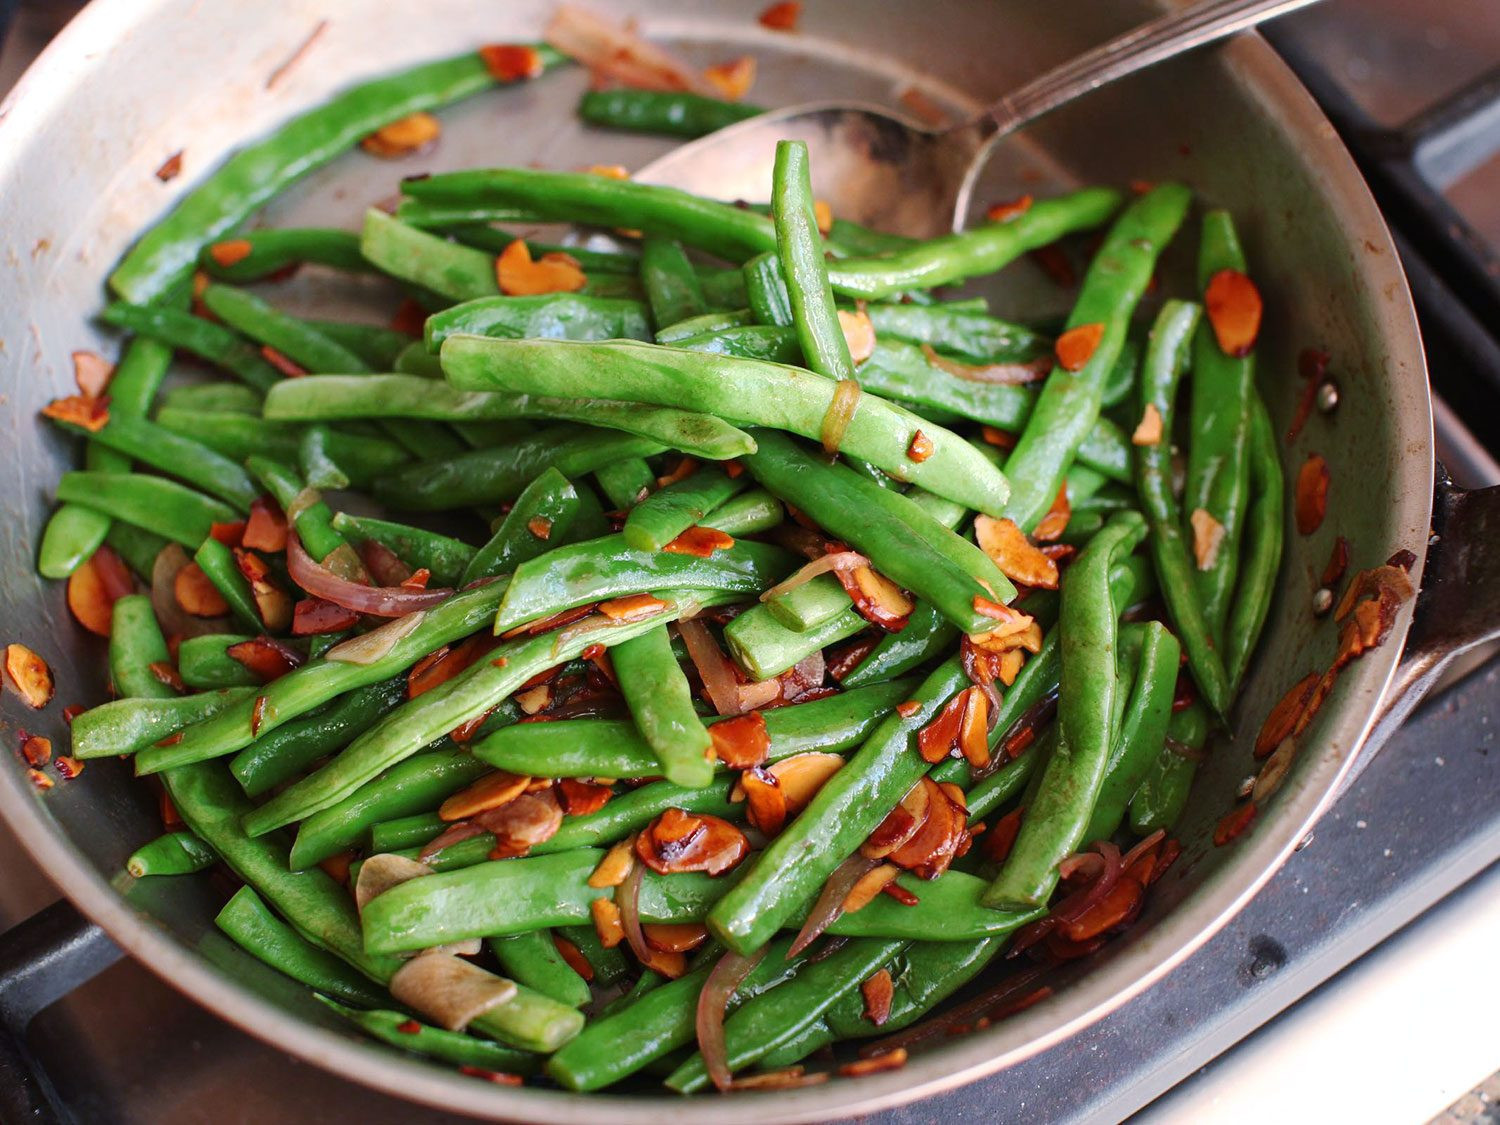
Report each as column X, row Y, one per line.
column 129, row 84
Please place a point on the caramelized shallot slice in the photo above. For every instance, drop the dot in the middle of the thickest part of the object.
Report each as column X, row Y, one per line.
column 383, row 871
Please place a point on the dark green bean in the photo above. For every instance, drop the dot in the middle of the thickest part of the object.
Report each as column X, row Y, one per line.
column 673, row 289
column 399, row 1030
column 749, row 513
column 664, row 515
column 626, row 482
column 1163, row 792
column 705, row 322
column 671, row 113
column 1070, row 400
column 215, row 398
column 319, row 469
column 240, row 436
column 975, row 336
column 609, row 965
column 125, row 726
column 259, row 253
column 445, row 557
column 218, row 565
column 459, row 273
column 1262, row 562
column 204, row 662
column 542, row 516
column 376, row 346
column 135, row 644
column 172, row 853
column 313, row 521
column 203, row 338
column 661, row 705
column 137, row 546
column 800, row 252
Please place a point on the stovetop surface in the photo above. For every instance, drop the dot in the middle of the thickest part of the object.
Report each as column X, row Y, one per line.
column 1419, row 823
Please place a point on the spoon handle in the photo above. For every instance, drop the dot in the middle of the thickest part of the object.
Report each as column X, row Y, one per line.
column 1162, row 38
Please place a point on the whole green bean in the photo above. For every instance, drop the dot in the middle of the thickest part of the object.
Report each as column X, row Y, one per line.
column 319, row 469
column 673, row 289
column 800, row 253
column 240, row 436
column 318, row 681
column 1166, row 355
column 313, row 521
column 407, row 729
column 269, row 250
column 633, row 1036
column 1163, row 792
column 605, row 568
column 770, row 343
column 1058, row 815
column 1262, row 561
column 247, row 919
column 415, row 785
column 975, row 336
column 491, row 476
column 985, row 249
column 544, row 512
column 671, row 113
column 927, row 634
column 661, row 705
column 405, row 832
column 533, row 960
column 445, row 557
column 749, row 513
column 1070, row 400
column 172, row 853
column 204, row 662
column 162, row 506
column 203, row 338
column 613, row 748
column 451, row 270
column 136, row 643
column 399, row 1030
column 557, row 316
column 664, row 515
column 906, row 544
column 629, row 812
column 769, row 394
column 137, row 546
column 231, row 398
column 626, row 482
column 298, row 340
column 378, row 347
column 849, row 806
column 259, row 171
column 125, row 726
column 218, row 565
column 280, row 755
column 704, row 322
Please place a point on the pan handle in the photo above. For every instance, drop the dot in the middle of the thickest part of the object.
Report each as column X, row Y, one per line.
column 1459, row 606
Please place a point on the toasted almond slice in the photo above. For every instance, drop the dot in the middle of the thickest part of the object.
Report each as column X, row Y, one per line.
column 409, row 134
column 489, row 792
column 1311, row 499
column 1233, row 305
column 448, row 990
column 1148, row 430
column 381, row 872
column 1076, row 346
column 870, row 884
column 859, row 334
column 29, row 674
column 1017, row 557
column 1208, row 535
column 607, row 923
column 615, row 865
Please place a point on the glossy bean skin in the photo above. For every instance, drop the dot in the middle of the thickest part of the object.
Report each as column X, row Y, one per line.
column 770, row 303
column 165, row 507
column 660, row 700
column 551, row 504
column 240, row 436
column 749, row 513
column 1166, row 356
column 1059, row 814
column 671, row 113
column 298, row 340
column 532, row 959
column 272, row 249
column 172, row 853
column 799, row 249
column 454, row 1047
column 1163, row 793
column 136, row 643
column 764, row 647
column 625, row 482
column 218, row 565
column 1069, row 403
column 177, row 328
column 558, row 316
column 787, row 398
column 673, row 289
column 974, row 336
column 125, row 726
column 204, row 662
column 445, row 557
column 1264, row 532
column 667, row 513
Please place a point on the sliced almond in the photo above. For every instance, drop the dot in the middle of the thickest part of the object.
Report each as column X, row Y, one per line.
column 489, row 792
column 1017, row 557
column 1208, row 535
column 1148, row 430
column 615, row 865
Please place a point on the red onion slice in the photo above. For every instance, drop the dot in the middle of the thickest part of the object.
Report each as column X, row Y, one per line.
column 453, row 834
column 840, row 413
column 1141, row 848
column 713, row 1001
column 369, row 647
column 628, row 899
column 830, row 902
column 1073, row 907
column 378, row 601
column 726, row 693
column 1006, row 374
column 838, row 560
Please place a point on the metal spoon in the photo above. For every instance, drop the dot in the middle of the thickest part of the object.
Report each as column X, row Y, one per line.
column 878, row 169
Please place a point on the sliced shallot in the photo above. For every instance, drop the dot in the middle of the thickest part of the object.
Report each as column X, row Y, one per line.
column 727, row 974
column 381, row 872
column 378, row 601
column 372, row 646
column 838, row 560
column 830, row 902
column 448, row 990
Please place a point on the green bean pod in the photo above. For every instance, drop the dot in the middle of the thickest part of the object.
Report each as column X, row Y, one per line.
column 800, row 253
column 666, row 514
column 554, row 316
column 269, row 250
column 446, row 558
column 545, row 511
column 669, row 113
column 135, row 644
column 218, row 565
column 661, row 705
column 1163, row 793
column 533, row 959
column 172, row 853
column 1264, row 533
column 203, row 338
column 165, row 507
column 398, row 1029
column 125, row 726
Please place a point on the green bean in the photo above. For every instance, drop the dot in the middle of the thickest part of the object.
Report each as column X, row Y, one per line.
column 849, row 806
column 772, row 344
column 625, row 482
column 573, row 197
column 125, row 726
column 247, row 919
column 411, row 396
column 407, row 729
column 1262, row 562
column 1166, row 356
column 204, row 662
column 259, row 171
column 866, row 241
column 907, row 545
column 949, row 909
column 785, row 397
column 809, row 605
column 661, row 705
column 135, row 644
column 492, row 476
column 215, row 398
column 405, row 832
column 673, row 289
column 609, row 965
column 778, row 1015
column 162, row 506
column 322, row 911
column 533, row 960
column 138, row 439
column 399, row 1030
column 445, row 557
column 556, row 316
column 605, row 568
column 672, row 113
column 749, row 513
column 218, row 565
column 1119, row 383
column 313, row 521
column 73, row 532
column 1058, row 815
column 1218, row 466
column 1163, row 792
column 664, row 515
column 318, row 681
column 985, row 249
column 280, row 755
column 545, row 511
column 377, row 347
column 927, row 634
column 203, row 338
column 704, row 322
column 267, row 251
column 800, row 251
column 1139, row 741
column 613, row 748
column 137, row 546
column 240, row 436
column 974, row 336
column 172, row 853
column 1070, row 400
column 482, row 236
column 319, row 469
column 414, row 785
column 627, row 813
column 623, row 1041
column 459, row 273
